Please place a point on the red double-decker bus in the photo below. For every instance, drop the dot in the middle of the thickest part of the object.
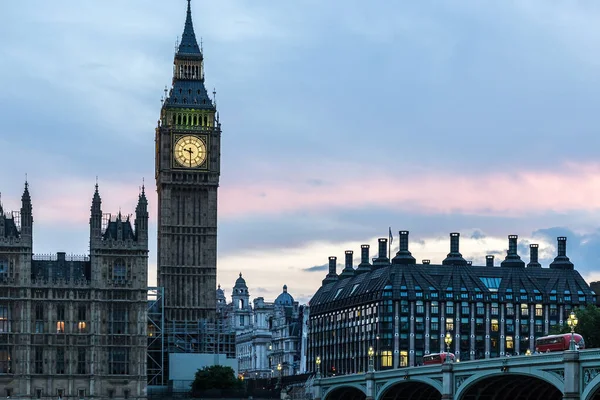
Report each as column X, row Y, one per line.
column 558, row 342
column 436, row 358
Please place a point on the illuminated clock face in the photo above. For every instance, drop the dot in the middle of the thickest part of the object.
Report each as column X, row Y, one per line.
column 190, row 151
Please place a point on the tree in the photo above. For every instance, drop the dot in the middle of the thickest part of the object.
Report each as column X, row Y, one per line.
column 215, row 377
column 588, row 326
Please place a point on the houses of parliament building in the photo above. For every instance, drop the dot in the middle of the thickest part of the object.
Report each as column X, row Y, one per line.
column 77, row 326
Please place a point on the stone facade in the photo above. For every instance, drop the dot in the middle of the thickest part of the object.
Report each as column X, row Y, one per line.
column 268, row 335
column 187, row 178
column 74, row 327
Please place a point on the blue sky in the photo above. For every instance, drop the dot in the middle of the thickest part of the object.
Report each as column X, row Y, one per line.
column 340, row 119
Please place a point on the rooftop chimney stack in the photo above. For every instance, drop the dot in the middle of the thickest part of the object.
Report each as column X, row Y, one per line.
column 454, row 242
column 469, row 263
column 512, row 244
column 403, row 256
column 348, row 270
column 382, row 258
column 426, row 262
column 364, row 265
column 512, row 259
column 332, row 265
column 561, row 261
column 331, row 276
column 489, row 261
column 454, row 257
column 533, row 256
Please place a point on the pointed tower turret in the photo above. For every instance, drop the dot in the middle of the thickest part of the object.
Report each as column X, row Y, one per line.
column 141, row 217
column 26, row 212
column 189, row 44
column 96, row 216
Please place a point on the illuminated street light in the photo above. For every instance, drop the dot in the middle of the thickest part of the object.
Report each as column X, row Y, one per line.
column 318, row 362
column 572, row 321
column 528, row 352
column 448, row 341
column 371, row 354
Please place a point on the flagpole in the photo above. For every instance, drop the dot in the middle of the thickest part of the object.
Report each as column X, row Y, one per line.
column 390, row 244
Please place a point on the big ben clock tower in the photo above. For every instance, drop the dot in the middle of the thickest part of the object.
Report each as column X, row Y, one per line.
column 188, row 143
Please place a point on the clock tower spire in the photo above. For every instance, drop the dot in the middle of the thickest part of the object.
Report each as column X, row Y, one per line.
column 188, row 148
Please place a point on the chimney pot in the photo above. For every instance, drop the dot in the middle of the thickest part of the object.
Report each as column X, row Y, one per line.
column 349, row 255
column 426, row 262
column 332, row 265
column 383, row 248
column 364, row 254
column 562, row 246
column 454, row 242
column 403, row 240
column 489, row 261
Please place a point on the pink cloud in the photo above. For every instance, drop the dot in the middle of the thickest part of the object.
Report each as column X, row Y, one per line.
column 69, row 201
column 572, row 187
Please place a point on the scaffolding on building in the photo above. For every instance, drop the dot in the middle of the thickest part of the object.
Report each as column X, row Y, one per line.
column 201, row 337
column 156, row 337
column 164, row 337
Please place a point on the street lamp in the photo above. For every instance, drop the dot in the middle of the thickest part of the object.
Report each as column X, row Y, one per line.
column 318, row 362
column 448, row 341
column 527, row 352
column 371, row 354
column 572, row 321
column 279, row 375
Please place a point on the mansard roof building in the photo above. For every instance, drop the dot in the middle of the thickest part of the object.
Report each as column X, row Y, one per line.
column 403, row 309
column 74, row 326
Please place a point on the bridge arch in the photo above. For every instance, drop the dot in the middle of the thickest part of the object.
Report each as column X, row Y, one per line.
column 592, row 389
column 513, row 385
column 350, row 392
column 413, row 388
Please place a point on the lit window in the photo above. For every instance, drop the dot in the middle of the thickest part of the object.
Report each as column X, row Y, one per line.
column 509, row 343
column 449, row 324
column 524, row 309
column 538, row 310
column 494, row 325
column 386, row 358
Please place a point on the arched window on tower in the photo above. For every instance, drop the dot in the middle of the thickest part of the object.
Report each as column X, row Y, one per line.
column 119, row 271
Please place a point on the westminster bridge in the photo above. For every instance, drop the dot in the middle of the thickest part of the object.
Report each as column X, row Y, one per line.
column 570, row 375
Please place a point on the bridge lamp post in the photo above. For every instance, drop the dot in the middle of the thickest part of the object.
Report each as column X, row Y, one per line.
column 572, row 321
column 318, row 362
column 448, row 341
column 528, row 352
column 371, row 354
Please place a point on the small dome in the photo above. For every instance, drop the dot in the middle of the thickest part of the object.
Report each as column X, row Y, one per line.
column 220, row 291
column 240, row 283
column 284, row 299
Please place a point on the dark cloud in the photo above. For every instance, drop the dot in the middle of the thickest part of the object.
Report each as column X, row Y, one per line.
column 477, row 235
column 317, row 268
column 582, row 249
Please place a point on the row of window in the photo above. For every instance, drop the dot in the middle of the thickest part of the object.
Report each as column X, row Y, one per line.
column 118, row 322
column 118, row 363
column 60, row 393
